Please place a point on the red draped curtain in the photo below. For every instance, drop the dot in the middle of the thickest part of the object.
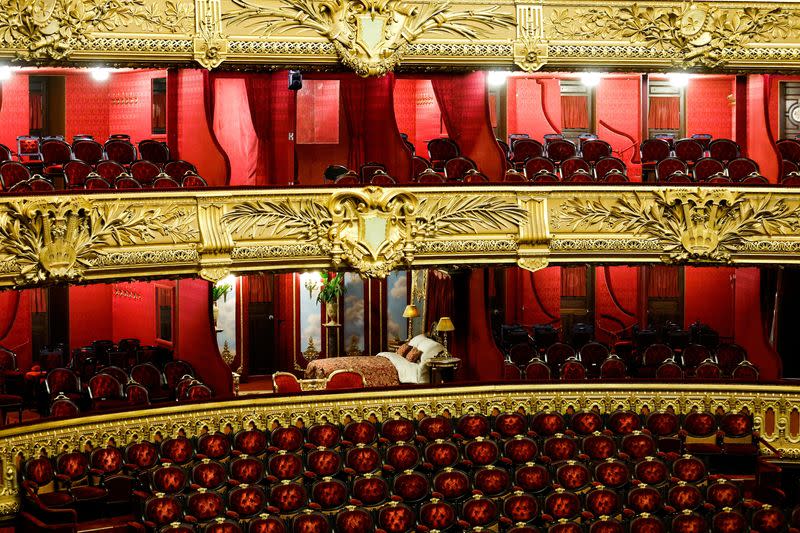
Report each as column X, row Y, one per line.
column 35, row 111
column 9, row 305
column 373, row 134
column 664, row 113
column 464, row 104
column 574, row 112
column 259, row 287
column 662, row 281
column 573, row 281
column 439, row 297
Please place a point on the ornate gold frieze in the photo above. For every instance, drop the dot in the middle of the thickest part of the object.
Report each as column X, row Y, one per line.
column 373, row 230
column 770, row 405
column 373, row 37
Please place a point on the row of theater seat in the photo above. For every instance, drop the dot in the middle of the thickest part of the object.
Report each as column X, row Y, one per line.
column 49, row 151
column 506, row 471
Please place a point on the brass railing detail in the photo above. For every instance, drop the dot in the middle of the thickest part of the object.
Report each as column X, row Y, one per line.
column 373, row 37
column 373, row 230
column 772, row 407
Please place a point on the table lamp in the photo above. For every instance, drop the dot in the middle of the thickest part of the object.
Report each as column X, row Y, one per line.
column 445, row 326
column 410, row 313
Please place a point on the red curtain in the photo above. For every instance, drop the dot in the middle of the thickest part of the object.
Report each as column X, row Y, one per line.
column 574, row 112
column 9, row 305
column 439, row 297
column 35, row 111
column 371, row 125
column 272, row 111
column 259, row 287
column 662, row 281
column 464, row 103
column 573, row 281
column 664, row 113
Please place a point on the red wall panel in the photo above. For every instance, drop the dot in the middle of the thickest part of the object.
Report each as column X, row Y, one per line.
column 313, row 159
column 87, row 105
column 540, row 297
column 417, row 113
column 130, row 103
column 14, row 114
column 234, row 129
column 16, row 307
column 708, row 298
column 528, row 100
column 749, row 330
column 616, row 301
column 759, row 130
column 90, row 314
column 708, row 109
column 405, row 111
column 618, row 120
column 134, row 312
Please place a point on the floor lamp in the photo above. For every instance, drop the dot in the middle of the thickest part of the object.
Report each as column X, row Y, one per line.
column 410, row 313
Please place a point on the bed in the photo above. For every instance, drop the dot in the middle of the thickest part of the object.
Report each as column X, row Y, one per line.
column 385, row 369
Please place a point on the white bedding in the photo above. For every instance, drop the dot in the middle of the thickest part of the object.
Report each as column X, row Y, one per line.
column 409, row 372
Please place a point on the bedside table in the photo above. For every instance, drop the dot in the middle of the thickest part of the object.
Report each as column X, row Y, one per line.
column 442, row 369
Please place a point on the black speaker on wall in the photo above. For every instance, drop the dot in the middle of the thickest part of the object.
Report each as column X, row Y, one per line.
column 295, row 80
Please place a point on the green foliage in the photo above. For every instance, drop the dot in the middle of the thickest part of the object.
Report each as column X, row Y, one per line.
column 220, row 291
column 331, row 288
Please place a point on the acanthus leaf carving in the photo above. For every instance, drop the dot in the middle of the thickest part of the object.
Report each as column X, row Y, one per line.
column 370, row 36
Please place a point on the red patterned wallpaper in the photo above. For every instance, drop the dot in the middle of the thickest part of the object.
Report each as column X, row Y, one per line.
column 14, row 112
column 129, row 102
column 617, row 101
column 405, row 110
column 708, row 109
column 234, row 129
column 616, row 299
column 87, row 105
column 526, row 106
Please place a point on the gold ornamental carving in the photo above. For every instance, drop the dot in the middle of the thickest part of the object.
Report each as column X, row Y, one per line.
column 369, row 36
column 699, row 34
column 42, row 241
column 702, row 225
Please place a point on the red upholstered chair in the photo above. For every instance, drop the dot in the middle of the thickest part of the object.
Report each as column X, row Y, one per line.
column 592, row 355
column 247, row 500
column 703, row 138
column 197, row 392
column 729, row 356
column 668, row 166
column 324, row 435
column 140, row 458
column 644, row 499
column 745, row 372
column 169, row 479
column 532, row 477
column 247, row 470
column 174, row 371
column 603, row 502
column 148, row 376
column 109, row 462
column 604, row 165
column 28, row 148
column 288, row 497
column 684, row 497
column 209, row 475
column 524, row 149
column 546, row 424
column 368, row 170
column 789, row 149
column 39, row 184
column 638, row 445
column 136, row 394
column 372, row 490
column 72, row 469
column 21, row 188
column 624, row 422
column 655, row 354
column 651, row 471
column 788, row 167
column 441, row 454
column 250, row 442
column 456, row 168
column 741, row 167
column 520, row 450
column 474, row 176
column 435, row 427
column 380, row 177
column 266, row 524
column 701, row 434
column 398, row 430
column 154, row 151
column 724, row 150
column 594, row 150
column 87, row 151
column 560, row 448
column 694, row 354
column 664, row 426
column 679, row 178
column 120, row 151
column 205, row 507
column 599, row 447
column 42, row 489
column 510, row 424
column 64, row 381
column 442, row 150
column 514, row 176
column 755, row 179
column 613, row 368
column 290, row 438
column 55, row 154
column 669, row 371
column 76, row 173
column 12, row 173
column 193, row 181
column 706, row 167
column 95, row 182
column 214, row 446
column 285, row 382
column 573, row 476
column 558, row 353
column 614, row 176
column 109, row 170
column 571, row 165
column 161, row 511
column 62, row 406
column 652, row 151
column 178, row 450
column 768, row 519
column 345, row 379
column 544, row 177
column 126, row 181
column 145, row 172
column 105, row 392
column 560, row 150
column 708, row 370
column 165, row 182
column 718, row 179
column 5, row 153
column 471, row 426
column 435, row 515
column 348, row 178
column 419, row 165
column 688, row 150
column 534, row 165
column 400, row 457
column 480, row 512
column 178, row 169
column 586, row 422
column 562, row 505
column 537, row 370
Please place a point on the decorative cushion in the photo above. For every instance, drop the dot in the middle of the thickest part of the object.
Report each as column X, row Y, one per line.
column 413, row 355
column 404, row 348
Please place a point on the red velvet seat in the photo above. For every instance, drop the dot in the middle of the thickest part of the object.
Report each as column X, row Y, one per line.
column 560, row 150
column 176, row 370
column 13, row 173
column 345, row 379
column 418, row 164
column 688, row 150
column 724, row 150
column 435, row 427
column 178, row 450
column 441, row 454
column 40, row 184
column 614, row 176
column 652, row 151
column 706, row 167
column 560, row 448
column 400, row 457
column 62, row 406
column 289, row 438
column 644, row 499
column 520, row 450
column 325, row 435
column 594, row 150
column 247, row 470
column 694, row 354
column 165, row 182
column 197, row 392
column 480, row 512
column 141, row 456
column 95, row 182
column 613, row 368
column 398, row 430
column 161, row 511
column 741, row 167
column 524, row 149
column 148, row 376
column 214, row 446
column 126, row 181
column 381, row 178
column 638, row 445
column 209, row 475
column 363, row 459
column 5, row 153
column 604, row 165
column 755, row 179
column 178, row 169
column 105, row 392
column 513, row 176
column 247, row 501
column 558, row 353
column 570, row 166
column 708, row 370
column 546, row 423
column 55, row 154
column 679, row 178
column 137, row 394
column 718, row 179
column 145, row 172
column 288, row 497
column 572, row 370
column 651, row 471
column 28, row 148
column 169, row 479
column 669, row 371
column 475, row 176
column 440, row 151
column 205, row 506
column 456, row 168
column 76, row 173
column 510, row 424
column 537, row 370
column 586, row 422
column 154, row 151
column 87, row 151
column 473, row 425
column 603, row 502
column 535, row 165
column 193, row 181
column 579, row 176
column 745, row 372
column 481, row 452
column 430, row 176
column 729, row 356
column 65, row 381
column 73, row 469
column 250, row 442
column 562, row 505
column 668, row 166
column 120, row 151
column 368, row 170
column 573, row 476
column 109, row 170
column 437, row 515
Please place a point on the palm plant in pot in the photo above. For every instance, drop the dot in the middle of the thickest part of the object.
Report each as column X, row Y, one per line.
column 217, row 292
column 330, row 289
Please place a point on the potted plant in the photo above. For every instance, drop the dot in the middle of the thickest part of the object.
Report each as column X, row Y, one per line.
column 330, row 289
column 217, row 292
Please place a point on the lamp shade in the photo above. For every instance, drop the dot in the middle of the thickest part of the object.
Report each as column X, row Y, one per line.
column 445, row 324
column 410, row 311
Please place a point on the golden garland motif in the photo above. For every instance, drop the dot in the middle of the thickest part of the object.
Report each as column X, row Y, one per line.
column 702, row 225
column 370, row 36
column 700, row 34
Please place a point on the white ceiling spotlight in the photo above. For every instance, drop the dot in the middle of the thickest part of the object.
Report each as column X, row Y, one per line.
column 497, row 78
column 591, row 79
column 678, row 79
column 100, row 73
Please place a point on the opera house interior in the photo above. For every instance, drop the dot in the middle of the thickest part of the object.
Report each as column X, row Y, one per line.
column 354, row 266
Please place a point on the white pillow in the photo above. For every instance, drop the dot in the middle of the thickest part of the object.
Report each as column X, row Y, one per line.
column 426, row 344
column 432, row 351
column 416, row 340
